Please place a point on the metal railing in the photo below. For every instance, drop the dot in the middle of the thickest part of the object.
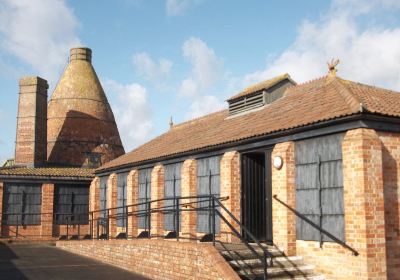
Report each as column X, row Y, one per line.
column 311, row 223
column 98, row 224
column 18, row 225
column 214, row 207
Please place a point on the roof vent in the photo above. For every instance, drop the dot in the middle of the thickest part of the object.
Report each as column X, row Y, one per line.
column 259, row 95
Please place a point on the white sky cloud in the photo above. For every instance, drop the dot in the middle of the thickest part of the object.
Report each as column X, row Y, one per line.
column 370, row 55
column 207, row 68
column 204, row 105
column 179, row 7
column 39, row 33
column 156, row 72
column 132, row 112
column 206, row 72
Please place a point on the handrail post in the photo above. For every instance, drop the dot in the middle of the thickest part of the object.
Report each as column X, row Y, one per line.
column 177, row 219
column 91, row 226
column 67, row 227
column 265, row 265
column 108, row 224
column 149, row 217
column 16, row 232
column 213, row 219
column 126, row 222
column 97, row 229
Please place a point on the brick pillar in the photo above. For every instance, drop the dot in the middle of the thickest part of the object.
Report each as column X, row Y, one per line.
column 112, row 202
column 364, row 203
column 230, row 187
column 94, row 203
column 188, row 188
column 157, row 192
column 283, row 185
column 132, row 198
column 46, row 228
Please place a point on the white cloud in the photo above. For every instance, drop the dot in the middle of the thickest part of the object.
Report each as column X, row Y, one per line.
column 204, row 105
column 206, row 73
column 207, row 68
column 179, row 7
column 370, row 54
column 154, row 71
column 39, row 33
column 132, row 113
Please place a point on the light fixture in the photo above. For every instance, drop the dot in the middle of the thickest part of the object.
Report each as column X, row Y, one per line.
column 278, row 162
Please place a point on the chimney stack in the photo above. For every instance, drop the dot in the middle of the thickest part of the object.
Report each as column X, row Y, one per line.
column 31, row 142
column 80, row 53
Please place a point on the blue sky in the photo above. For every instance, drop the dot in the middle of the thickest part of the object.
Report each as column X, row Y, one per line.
column 183, row 58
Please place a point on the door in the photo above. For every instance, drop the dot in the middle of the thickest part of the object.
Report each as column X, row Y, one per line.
column 256, row 194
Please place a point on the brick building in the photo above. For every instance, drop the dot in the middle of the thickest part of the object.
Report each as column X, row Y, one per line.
column 59, row 143
column 282, row 158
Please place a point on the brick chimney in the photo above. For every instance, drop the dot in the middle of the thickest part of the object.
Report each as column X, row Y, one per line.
column 31, row 141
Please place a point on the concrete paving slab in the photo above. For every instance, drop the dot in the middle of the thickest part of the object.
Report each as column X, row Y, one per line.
column 39, row 261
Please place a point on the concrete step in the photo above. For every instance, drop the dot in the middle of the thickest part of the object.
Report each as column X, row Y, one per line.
column 257, row 263
column 248, row 254
column 312, row 276
column 276, row 272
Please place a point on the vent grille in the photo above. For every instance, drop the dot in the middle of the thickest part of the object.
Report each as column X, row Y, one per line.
column 247, row 103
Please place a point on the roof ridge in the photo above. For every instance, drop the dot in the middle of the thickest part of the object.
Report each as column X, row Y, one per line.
column 353, row 102
column 257, row 86
column 311, row 81
column 197, row 119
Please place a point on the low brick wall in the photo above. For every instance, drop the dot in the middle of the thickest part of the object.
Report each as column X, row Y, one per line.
column 156, row 259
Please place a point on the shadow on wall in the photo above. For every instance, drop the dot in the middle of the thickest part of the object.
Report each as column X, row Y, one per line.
column 8, row 270
column 392, row 224
column 81, row 134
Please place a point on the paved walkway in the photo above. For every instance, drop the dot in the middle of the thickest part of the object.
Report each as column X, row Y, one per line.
column 44, row 261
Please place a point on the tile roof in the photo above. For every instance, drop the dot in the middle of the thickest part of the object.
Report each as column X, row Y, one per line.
column 262, row 85
column 56, row 172
column 319, row 100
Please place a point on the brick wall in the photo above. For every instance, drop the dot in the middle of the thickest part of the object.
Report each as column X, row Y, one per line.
column 47, row 230
column 391, row 182
column 47, row 210
column 131, row 198
column 364, row 214
column 157, row 192
column 42, row 231
column 283, row 185
column 112, row 203
column 188, row 188
column 157, row 259
column 230, row 187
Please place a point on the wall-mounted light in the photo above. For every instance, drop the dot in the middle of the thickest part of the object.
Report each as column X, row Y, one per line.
column 278, row 162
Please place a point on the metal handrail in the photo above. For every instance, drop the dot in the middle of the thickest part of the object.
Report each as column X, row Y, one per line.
column 265, row 255
column 181, row 204
column 311, row 223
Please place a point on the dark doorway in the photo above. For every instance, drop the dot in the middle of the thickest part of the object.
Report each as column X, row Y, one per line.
column 257, row 194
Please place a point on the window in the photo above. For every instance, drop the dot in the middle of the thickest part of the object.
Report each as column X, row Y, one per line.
column 121, row 199
column 172, row 189
column 22, row 204
column 319, row 187
column 208, row 183
column 93, row 160
column 71, row 204
column 103, row 196
column 144, row 196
